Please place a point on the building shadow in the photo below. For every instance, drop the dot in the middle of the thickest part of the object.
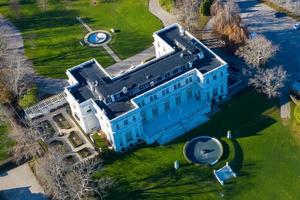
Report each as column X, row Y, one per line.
column 22, row 193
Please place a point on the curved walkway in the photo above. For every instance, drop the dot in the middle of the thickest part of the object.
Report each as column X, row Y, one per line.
column 165, row 17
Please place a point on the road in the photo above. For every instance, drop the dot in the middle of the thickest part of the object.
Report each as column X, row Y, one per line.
column 259, row 18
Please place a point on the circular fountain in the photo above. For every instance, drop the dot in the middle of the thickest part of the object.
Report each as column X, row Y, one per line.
column 97, row 38
column 203, row 150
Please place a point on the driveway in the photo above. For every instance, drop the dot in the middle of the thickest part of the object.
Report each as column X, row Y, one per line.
column 259, row 18
column 20, row 183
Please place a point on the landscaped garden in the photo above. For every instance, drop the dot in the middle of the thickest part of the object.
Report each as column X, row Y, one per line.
column 264, row 153
column 52, row 36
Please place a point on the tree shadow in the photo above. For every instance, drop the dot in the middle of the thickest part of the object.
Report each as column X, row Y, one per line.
column 237, row 162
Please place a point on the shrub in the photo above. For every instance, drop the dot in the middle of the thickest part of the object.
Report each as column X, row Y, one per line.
column 167, row 4
column 29, row 98
column 205, row 7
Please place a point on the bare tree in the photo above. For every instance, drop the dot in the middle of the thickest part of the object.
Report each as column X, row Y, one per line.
column 188, row 12
column 227, row 22
column 269, row 81
column 257, row 51
column 27, row 143
column 17, row 74
column 63, row 182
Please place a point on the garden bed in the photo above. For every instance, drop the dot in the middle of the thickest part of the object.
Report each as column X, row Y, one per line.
column 84, row 153
column 61, row 121
column 75, row 139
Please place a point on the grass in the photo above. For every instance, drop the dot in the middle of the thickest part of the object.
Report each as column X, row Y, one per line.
column 52, row 37
column 203, row 20
column 264, row 154
column 281, row 9
column 29, row 98
column 5, row 143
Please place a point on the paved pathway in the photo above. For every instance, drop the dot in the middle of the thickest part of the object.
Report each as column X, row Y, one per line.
column 20, row 184
column 159, row 12
column 111, row 53
column 84, row 24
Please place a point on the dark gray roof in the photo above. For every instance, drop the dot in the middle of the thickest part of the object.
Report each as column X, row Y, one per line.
column 93, row 82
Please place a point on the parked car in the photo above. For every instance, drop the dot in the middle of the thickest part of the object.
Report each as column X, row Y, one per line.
column 295, row 90
column 297, row 26
column 279, row 14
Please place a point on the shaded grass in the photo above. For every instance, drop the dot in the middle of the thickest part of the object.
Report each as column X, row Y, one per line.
column 5, row 143
column 52, row 37
column 266, row 159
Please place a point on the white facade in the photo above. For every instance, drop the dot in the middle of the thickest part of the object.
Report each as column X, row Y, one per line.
column 163, row 112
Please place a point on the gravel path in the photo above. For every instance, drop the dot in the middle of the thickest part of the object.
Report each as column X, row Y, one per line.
column 159, row 12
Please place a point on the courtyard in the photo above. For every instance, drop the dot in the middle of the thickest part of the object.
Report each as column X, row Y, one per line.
column 264, row 155
column 59, row 129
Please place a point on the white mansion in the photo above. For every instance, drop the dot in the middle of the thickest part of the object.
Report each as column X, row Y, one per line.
column 154, row 102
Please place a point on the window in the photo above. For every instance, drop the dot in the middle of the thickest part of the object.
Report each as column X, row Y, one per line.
column 144, row 116
column 215, row 77
column 155, row 112
column 190, row 79
column 143, row 103
column 125, row 122
column 166, row 106
column 163, row 92
column 215, row 92
column 155, row 97
column 151, row 98
column 186, row 81
column 221, row 73
column 178, row 85
column 178, row 100
column 133, row 118
column 129, row 136
column 189, row 93
column 167, row 91
column 207, row 81
column 118, row 127
column 175, row 87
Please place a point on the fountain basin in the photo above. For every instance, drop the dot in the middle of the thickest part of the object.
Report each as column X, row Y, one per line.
column 97, row 38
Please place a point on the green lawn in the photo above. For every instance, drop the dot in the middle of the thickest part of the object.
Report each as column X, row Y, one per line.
column 52, row 37
column 5, row 143
column 265, row 154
